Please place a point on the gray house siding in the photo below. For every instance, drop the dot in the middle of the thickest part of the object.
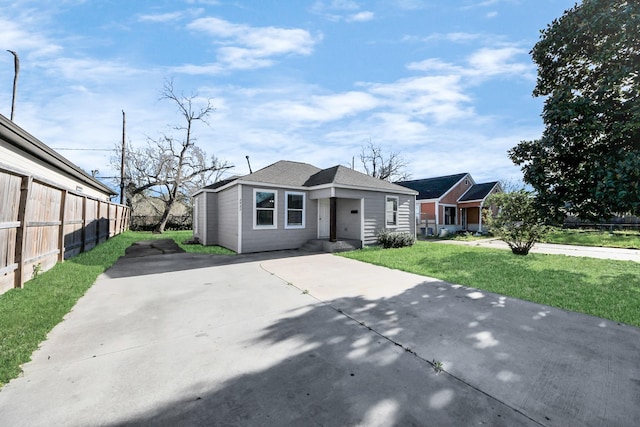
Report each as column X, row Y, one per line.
column 227, row 214
column 279, row 238
column 374, row 207
column 198, row 217
column 349, row 213
column 211, row 206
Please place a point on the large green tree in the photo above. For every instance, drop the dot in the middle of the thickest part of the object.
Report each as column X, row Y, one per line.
column 587, row 162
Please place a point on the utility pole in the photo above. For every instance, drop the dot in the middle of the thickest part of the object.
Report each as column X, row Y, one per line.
column 16, row 67
column 122, row 160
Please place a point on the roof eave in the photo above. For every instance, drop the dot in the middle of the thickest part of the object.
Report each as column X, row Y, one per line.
column 23, row 140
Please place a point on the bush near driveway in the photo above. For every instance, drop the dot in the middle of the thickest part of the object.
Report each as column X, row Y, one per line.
column 392, row 239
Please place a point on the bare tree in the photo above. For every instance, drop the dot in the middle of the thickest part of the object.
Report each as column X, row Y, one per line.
column 171, row 167
column 510, row 185
column 386, row 166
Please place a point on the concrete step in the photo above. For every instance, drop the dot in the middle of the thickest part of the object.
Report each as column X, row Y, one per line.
column 322, row 245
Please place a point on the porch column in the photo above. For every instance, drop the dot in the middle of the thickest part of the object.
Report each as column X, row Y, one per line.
column 333, row 218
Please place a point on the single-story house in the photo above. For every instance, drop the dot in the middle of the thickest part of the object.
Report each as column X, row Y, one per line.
column 287, row 204
column 452, row 202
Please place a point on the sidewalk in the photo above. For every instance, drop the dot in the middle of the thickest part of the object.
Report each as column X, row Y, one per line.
column 548, row 248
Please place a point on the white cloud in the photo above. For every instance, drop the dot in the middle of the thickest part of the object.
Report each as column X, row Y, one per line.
column 171, row 16
column 17, row 37
column 481, row 64
column 437, row 98
column 494, row 61
column 320, row 108
column 361, row 17
column 246, row 47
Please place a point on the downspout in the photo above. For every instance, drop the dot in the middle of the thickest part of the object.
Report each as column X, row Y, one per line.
column 437, row 218
column 480, row 218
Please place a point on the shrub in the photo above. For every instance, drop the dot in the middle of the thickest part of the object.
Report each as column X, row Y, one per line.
column 517, row 222
column 393, row 239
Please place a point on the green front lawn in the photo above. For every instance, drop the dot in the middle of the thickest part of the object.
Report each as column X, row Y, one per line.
column 603, row 288
column 615, row 239
column 27, row 315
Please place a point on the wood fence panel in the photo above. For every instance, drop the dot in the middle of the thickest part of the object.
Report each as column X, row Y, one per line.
column 9, row 208
column 112, row 220
column 41, row 224
column 73, row 224
column 91, row 224
column 103, row 222
column 42, row 229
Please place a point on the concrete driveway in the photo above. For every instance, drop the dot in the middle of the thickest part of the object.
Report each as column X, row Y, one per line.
column 284, row 339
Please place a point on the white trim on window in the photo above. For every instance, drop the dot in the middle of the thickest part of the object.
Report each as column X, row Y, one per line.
column 391, row 215
column 301, row 212
column 269, row 208
column 451, row 208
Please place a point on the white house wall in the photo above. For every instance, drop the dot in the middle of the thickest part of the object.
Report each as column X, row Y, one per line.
column 26, row 164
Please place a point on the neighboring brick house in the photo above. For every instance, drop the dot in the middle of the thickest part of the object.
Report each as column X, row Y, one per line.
column 452, row 202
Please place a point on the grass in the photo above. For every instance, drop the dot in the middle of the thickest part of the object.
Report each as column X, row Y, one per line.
column 28, row 314
column 603, row 288
column 616, row 239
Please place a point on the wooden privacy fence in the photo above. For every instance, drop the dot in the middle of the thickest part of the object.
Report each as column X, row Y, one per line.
column 42, row 224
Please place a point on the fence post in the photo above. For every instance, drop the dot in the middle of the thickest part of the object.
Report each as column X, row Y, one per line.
column 21, row 232
column 63, row 203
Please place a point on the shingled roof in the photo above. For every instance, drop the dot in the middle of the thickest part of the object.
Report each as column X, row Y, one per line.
column 478, row 192
column 433, row 188
column 343, row 176
column 296, row 174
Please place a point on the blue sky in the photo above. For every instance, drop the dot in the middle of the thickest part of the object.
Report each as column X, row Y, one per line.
column 446, row 83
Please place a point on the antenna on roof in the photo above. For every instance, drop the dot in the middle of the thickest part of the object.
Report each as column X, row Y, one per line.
column 250, row 171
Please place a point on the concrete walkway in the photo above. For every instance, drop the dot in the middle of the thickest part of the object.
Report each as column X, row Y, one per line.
column 284, row 339
column 548, row 248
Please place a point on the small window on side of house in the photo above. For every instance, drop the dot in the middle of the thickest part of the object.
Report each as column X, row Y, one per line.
column 391, row 211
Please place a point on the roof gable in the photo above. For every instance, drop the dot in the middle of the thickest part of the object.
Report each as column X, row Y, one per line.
column 433, row 188
column 478, row 191
column 343, row 176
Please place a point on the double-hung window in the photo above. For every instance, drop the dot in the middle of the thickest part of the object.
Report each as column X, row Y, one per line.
column 391, row 211
column 295, row 208
column 449, row 215
column 265, row 204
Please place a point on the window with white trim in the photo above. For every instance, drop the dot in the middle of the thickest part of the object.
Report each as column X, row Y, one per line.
column 391, row 211
column 295, row 209
column 265, row 212
column 449, row 215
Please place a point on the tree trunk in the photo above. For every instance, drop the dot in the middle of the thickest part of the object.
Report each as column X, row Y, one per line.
column 165, row 217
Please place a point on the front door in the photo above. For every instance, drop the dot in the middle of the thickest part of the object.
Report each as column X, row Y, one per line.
column 324, row 223
column 463, row 218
